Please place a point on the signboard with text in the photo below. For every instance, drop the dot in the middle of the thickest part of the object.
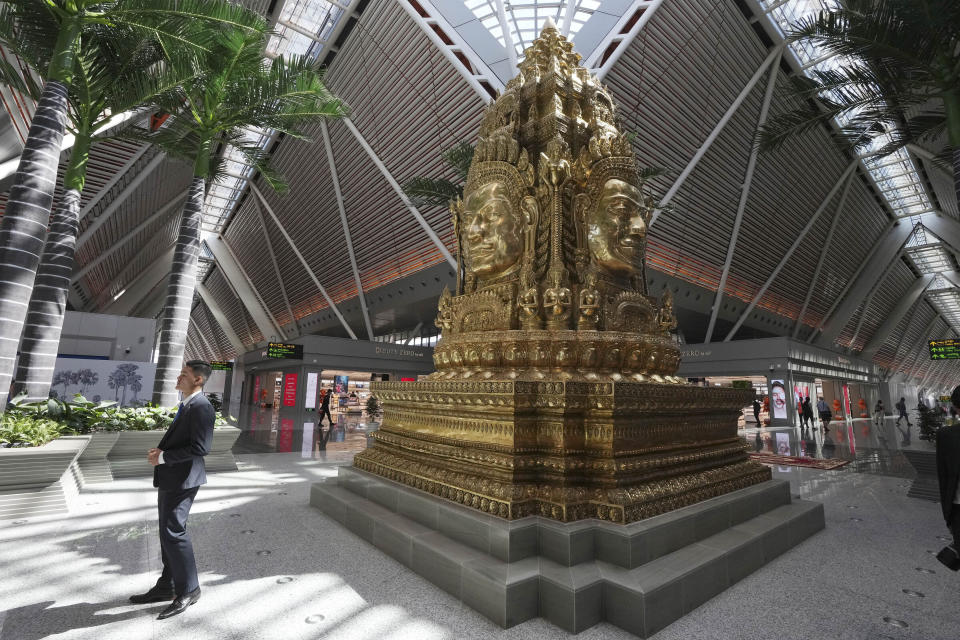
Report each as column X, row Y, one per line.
column 285, row 350
column 290, row 390
column 948, row 349
column 221, row 365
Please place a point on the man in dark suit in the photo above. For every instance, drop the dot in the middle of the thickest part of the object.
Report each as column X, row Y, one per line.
column 948, row 470
column 178, row 472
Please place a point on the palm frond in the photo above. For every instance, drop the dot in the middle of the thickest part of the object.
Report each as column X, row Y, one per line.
column 459, row 157
column 431, row 191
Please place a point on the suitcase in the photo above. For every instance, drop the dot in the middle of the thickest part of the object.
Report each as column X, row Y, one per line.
column 949, row 557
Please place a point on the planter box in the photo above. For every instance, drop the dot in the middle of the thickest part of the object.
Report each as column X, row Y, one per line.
column 123, row 454
column 37, row 481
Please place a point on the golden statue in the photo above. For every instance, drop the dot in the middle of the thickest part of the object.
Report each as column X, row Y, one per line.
column 554, row 392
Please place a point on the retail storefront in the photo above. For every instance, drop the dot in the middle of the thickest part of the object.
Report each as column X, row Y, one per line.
column 787, row 371
column 283, row 389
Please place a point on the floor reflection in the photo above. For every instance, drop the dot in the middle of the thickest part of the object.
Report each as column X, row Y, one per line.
column 268, row 432
column 871, row 447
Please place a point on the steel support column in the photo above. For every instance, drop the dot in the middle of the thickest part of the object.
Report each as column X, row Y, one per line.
column 399, row 191
column 119, row 244
column 906, row 303
column 796, row 243
column 346, row 228
column 140, row 286
column 207, row 296
column 155, row 162
column 823, row 254
column 243, row 287
column 273, row 261
column 306, row 266
column 744, row 196
column 884, row 250
column 702, row 151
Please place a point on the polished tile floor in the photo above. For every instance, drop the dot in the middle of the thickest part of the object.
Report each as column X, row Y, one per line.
column 273, row 567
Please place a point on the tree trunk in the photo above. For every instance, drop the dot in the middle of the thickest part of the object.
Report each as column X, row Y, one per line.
column 41, row 332
column 24, row 223
column 180, row 290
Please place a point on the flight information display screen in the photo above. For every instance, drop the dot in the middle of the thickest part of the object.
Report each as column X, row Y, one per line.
column 221, row 365
column 948, row 349
column 283, row 350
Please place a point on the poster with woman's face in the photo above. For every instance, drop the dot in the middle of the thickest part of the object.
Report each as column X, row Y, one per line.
column 778, row 399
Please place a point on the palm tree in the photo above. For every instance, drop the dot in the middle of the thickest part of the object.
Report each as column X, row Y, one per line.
column 897, row 82
column 88, row 377
column 62, row 28
column 237, row 90
column 124, row 69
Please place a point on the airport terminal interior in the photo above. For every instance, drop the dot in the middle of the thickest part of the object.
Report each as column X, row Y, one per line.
column 479, row 319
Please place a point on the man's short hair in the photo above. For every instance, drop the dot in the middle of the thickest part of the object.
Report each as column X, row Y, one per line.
column 955, row 396
column 200, row 368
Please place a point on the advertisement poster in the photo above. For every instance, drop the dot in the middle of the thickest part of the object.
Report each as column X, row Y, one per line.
column 290, row 390
column 129, row 384
column 310, row 402
column 340, row 384
column 778, row 399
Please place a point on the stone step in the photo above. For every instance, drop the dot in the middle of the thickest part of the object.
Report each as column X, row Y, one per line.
column 573, row 595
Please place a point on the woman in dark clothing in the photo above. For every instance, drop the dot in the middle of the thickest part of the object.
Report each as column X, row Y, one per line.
column 808, row 410
column 325, row 407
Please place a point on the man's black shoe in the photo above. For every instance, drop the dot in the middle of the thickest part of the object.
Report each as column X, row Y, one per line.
column 154, row 595
column 180, row 604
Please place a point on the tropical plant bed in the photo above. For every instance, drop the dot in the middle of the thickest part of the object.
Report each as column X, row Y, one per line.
column 128, row 456
column 39, row 480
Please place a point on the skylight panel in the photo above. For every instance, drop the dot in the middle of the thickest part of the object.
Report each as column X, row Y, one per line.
column 525, row 18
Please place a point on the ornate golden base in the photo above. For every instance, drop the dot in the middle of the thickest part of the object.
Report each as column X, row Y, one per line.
column 618, row 451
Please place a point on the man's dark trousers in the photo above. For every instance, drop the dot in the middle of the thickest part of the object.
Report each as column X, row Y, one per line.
column 178, row 479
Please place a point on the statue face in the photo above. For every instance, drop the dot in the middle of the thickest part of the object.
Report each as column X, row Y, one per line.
column 616, row 227
column 492, row 231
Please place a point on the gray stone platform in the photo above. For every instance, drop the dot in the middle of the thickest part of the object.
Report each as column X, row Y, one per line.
column 640, row 576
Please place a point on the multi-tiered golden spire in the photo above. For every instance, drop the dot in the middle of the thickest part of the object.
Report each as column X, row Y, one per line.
column 554, row 391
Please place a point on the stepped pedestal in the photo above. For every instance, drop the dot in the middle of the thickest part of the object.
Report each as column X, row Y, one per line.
column 639, row 576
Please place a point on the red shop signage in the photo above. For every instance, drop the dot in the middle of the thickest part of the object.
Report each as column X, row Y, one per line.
column 290, row 390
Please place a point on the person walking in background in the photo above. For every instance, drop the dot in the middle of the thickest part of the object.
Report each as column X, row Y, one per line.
column 902, row 412
column 325, row 406
column 756, row 411
column 178, row 472
column 878, row 413
column 808, row 411
column 948, row 473
column 825, row 414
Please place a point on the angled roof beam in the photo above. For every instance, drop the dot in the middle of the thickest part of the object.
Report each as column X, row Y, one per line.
column 906, row 303
column 273, row 262
column 843, row 179
column 702, row 151
column 132, row 186
column 742, row 205
column 215, row 353
column 625, row 39
column 399, row 191
column 889, row 244
column 243, row 287
column 301, row 31
column 207, row 296
column 119, row 244
column 136, row 290
column 915, row 350
column 869, row 299
column 823, row 254
column 474, row 79
column 508, row 37
column 414, row 333
column 568, row 14
column 306, row 266
column 114, row 180
column 346, row 228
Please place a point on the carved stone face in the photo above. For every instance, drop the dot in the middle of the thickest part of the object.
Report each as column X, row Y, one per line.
column 492, row 231
column 616, row 227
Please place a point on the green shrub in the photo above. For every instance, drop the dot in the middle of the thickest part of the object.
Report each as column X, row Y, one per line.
column 25, row 430
column 36, row 423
